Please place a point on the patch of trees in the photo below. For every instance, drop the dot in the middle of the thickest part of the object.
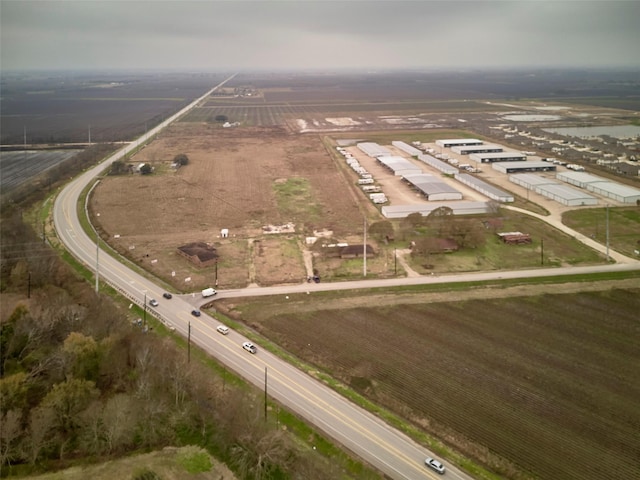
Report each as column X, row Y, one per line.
column 79, row 380
column 181, row 159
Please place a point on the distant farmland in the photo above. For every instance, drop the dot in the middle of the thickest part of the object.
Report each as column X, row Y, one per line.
column 21, row 166
column 61, row 108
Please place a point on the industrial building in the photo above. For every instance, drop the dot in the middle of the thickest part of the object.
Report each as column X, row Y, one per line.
column 601, row 186
column 373, row 149
column 498, row 157
column 484, row 188
column 458, row 208
column 400, row 166
column 515, row 167
column 432, row 187
column 458, row 142
column 469, row 149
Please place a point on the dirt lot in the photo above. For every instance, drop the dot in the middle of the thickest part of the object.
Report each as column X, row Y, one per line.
column 231, row 182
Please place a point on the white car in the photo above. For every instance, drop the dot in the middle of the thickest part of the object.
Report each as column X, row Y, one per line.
column 249, row 347
column 434, row 464
column 153, row 302
column 224, row 330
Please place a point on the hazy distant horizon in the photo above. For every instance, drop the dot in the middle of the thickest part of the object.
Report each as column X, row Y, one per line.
column 261, row 36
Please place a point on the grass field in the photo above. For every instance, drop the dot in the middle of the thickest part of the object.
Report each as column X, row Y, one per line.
column 534, row 386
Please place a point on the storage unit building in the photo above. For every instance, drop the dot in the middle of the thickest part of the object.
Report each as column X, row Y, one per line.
column 406, row 148
column 469, row 149
column 566, row 195
column 498, row 157
column 458, row 142
column 484, row 188
column 444, row 167
column 400, row 166
column 458, row 208
column 516, row 167
column 531, row 181
column 373, row 149
column 432, row 187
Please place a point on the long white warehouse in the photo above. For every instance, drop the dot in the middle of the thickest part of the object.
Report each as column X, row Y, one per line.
column 458, row 142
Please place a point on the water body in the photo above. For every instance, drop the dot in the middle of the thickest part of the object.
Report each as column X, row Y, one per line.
column 616, row 131
column 532, row 118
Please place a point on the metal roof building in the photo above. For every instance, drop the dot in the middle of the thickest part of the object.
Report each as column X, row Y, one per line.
column 458, row 142
column 531, row 181
column 458, row 208
column 432, row 187
column 469, row 149
column 444, row 167
column 373, row 149
column 498, row 157
column 406, row 148
column 514, row 167
column 554, row 190
column 485, row 188
column 566, row 195
column 601, row 186
column 400, row 166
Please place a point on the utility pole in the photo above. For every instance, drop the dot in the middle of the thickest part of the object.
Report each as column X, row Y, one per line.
column 364, row 248
column 29, row 285
column 189, row 343
column 395, row 262
column 607, row 232
column 265, row 394
column 144, row 310
column 542, row 251
column 97, row 264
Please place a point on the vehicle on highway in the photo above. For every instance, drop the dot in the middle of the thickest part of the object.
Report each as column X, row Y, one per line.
column 195, row 313
column 249, row 347
column 153, row 302
column 434, row 464
column 223, row 329
column 167, row 295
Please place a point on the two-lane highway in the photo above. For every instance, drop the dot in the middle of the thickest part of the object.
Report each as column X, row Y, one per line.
column 364, row 434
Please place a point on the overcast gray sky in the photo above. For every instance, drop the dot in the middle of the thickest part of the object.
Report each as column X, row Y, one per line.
column 269, row 34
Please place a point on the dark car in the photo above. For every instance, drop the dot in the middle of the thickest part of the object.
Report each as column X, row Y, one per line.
column 195, row 313
column 167, row 295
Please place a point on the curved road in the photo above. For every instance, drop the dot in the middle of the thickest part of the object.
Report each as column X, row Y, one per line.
column 388, row 450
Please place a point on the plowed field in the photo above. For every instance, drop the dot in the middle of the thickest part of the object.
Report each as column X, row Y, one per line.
column 536, row 387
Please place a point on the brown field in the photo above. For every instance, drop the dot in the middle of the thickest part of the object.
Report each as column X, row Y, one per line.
column 231, row 182
column 532, row 386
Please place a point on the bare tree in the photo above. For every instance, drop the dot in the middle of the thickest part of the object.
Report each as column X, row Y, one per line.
column 10, row 432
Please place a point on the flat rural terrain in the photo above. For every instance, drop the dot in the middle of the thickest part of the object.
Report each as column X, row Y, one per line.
column 533, row 386
column 529, row 382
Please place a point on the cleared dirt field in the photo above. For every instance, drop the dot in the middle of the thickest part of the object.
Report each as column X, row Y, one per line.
column 237, row 179
column 541, row 386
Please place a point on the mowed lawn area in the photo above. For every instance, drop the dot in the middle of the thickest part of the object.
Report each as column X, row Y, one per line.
column 543, row 386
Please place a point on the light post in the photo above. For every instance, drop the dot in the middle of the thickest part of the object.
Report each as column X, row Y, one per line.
column 144, row 310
